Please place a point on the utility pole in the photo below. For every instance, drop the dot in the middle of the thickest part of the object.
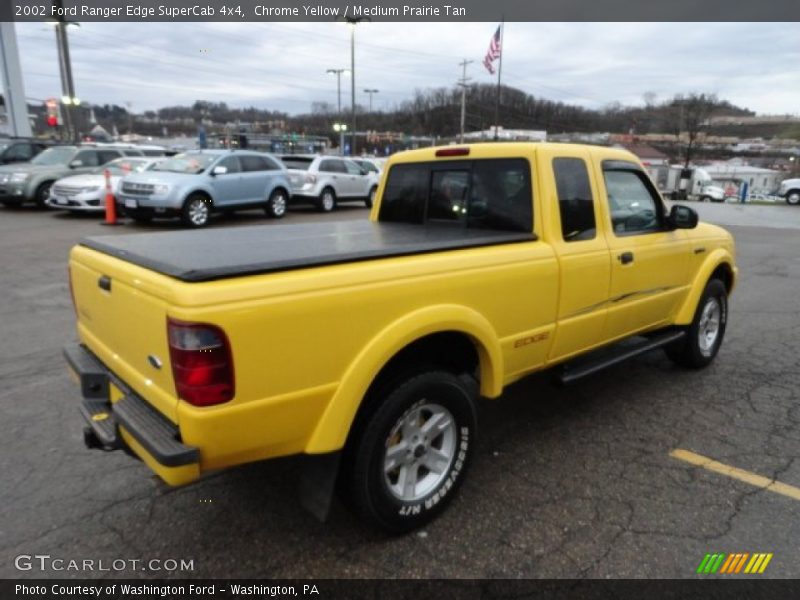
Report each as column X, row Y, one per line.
column 353, row 21
column 338, row 73
column 462, row 83
column 370, row 92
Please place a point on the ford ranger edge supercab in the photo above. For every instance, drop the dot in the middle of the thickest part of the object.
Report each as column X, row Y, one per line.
column 364, row 345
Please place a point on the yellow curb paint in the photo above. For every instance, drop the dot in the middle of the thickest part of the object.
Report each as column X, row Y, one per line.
column 753, row 563
column 753, row 479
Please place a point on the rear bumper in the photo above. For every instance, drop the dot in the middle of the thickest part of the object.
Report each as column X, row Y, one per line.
column 116, row 418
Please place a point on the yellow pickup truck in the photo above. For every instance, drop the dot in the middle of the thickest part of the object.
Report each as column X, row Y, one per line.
column 365, row 345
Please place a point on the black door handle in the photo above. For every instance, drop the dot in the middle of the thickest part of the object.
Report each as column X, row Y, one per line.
column 104, row 283
column 625, row 258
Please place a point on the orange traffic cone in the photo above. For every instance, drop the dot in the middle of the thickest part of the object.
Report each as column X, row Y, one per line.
column 111, row 203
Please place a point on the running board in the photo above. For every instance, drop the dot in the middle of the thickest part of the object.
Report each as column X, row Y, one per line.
column 570, row 373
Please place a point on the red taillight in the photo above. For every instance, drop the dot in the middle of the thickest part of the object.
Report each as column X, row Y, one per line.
column 452, row 152
column 202, row 365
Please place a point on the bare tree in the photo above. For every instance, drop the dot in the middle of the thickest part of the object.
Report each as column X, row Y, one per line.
column 690, row 114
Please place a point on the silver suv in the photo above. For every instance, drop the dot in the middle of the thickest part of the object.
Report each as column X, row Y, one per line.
column 194, row 184
column 326, row 180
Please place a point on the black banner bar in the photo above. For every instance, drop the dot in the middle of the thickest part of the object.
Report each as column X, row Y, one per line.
column 242, row 11
column 372, row 589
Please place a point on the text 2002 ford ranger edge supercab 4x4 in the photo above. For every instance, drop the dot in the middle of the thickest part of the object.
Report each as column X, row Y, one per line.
column 364, row 345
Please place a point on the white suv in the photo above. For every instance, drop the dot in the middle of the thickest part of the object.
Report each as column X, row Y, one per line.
column 326, row 180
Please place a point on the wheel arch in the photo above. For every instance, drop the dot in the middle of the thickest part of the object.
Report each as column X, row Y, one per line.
column 410, row 338
column 719, row 265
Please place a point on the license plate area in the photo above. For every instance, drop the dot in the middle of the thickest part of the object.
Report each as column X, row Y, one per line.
column 131, row 203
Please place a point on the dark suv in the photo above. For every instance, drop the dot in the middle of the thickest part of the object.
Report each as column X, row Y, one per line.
column 14, row 150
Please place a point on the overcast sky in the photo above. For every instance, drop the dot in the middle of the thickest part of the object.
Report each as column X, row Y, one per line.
column 282, row 66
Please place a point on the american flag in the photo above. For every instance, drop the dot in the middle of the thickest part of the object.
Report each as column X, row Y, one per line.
column 494, row 51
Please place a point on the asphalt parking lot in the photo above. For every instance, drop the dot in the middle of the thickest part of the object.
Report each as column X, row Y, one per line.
column 575, row 482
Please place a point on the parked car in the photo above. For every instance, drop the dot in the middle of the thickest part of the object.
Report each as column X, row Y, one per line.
column 326, row 180
column 790, row 191
column 31, row 182
column 195, row 184
column 19, row 150
column 86, row 193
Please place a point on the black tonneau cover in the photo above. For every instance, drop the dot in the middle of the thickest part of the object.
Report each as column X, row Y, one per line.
column 220, row 253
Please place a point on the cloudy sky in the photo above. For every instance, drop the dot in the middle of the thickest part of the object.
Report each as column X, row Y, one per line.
column 282, row 65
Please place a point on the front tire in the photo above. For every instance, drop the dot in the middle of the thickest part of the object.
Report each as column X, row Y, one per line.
column 370, row 200
column 411, row 454
column 277, row 203
column 42, row 194
column 704, row 336
column 196, row 211
column 793, row 198
column 326, row 201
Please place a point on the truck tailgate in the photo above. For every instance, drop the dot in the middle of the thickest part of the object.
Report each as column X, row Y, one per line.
column 122, row 319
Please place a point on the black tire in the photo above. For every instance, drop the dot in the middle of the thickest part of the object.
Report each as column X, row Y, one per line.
column 192, row 213
column 327, row 200
column 793, row 198
column 696, row 350
column 277, row 204
column 370, row 199
column 705, row 199
column 433, row 398
column 42, row 194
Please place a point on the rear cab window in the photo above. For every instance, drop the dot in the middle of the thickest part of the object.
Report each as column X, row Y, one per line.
column 575, row 200
column 478, row 194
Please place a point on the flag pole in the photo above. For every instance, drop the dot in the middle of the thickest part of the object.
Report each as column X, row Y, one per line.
column 499, row 73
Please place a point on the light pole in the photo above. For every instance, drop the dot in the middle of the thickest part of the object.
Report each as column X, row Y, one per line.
column 353, row 21
column 338, row 73
column 340, row 128
column 68, row 96
column 370, row 92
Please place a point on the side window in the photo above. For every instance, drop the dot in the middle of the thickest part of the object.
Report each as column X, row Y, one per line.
column 270, row 165
column 231, row 163
column 252, row 163
column 633, row 207
column 369, row 166
column 352, row 168
column 20, row 152
column 327, row 166
column 406, row 194
column 574, row 199
column 88, row 158
column 448, row 201
column 106, row 155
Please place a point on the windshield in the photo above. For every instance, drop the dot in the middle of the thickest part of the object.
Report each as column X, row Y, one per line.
column 123, row 166
column 186, row 163
column 54, row 156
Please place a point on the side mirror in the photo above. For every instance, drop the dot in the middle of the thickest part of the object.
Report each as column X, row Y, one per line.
column 219, row 170
column 75, row 164
column 364, row 171
column 682, row 217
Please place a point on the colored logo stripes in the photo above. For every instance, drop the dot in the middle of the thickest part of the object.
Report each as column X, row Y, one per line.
column 729, row 564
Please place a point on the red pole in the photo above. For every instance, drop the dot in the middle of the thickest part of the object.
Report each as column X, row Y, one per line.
column 111, row 207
